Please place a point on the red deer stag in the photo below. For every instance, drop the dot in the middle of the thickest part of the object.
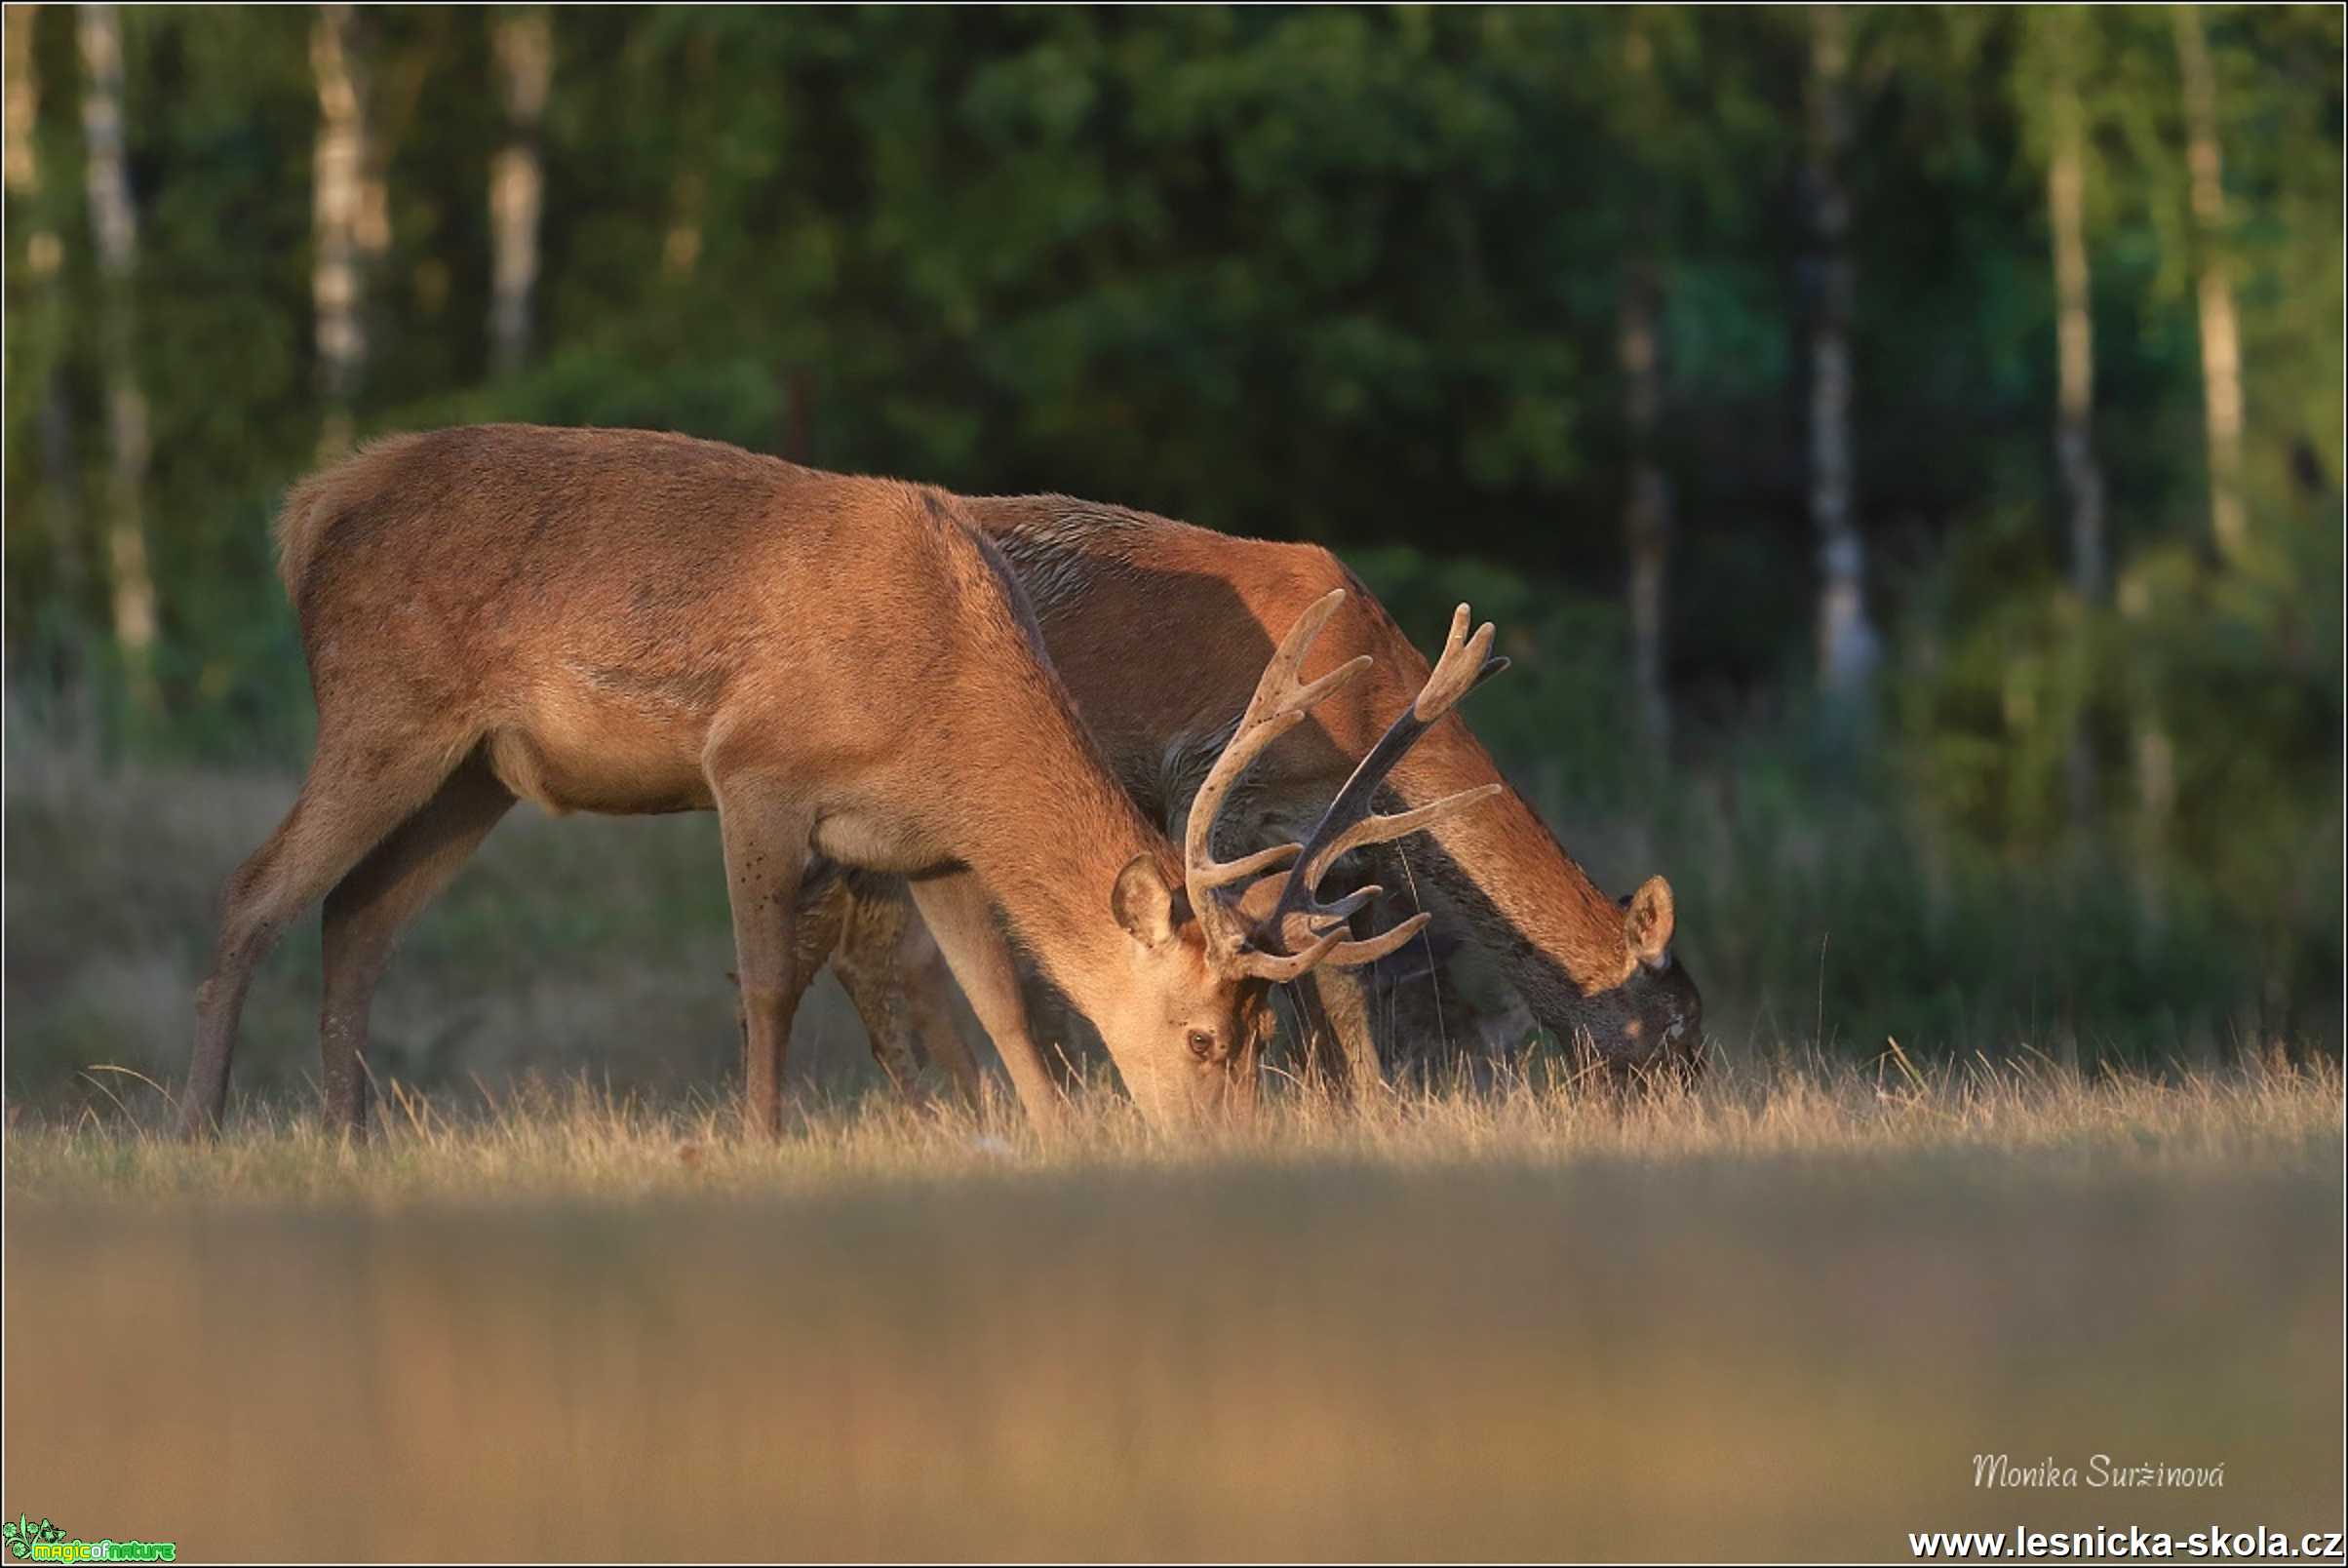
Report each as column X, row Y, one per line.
column 628, row 623
column 1105, row 582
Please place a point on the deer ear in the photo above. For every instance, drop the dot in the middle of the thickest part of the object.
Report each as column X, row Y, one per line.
column 1145, row 904
column 1646, row 923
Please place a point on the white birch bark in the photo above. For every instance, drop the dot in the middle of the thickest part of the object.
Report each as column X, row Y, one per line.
column 2075, row 357
column 2214, row 288
column 524, row 46
column 114, row 231
column 349, row 217
column 1847, row 642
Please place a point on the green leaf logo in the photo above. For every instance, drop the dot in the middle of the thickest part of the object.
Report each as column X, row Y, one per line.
column 21, row 1533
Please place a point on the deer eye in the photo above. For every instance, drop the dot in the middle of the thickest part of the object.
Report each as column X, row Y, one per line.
column 1203, row 1043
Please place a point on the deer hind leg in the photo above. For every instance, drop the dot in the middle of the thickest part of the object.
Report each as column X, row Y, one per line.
column 925, row 989
column 961, row 917
column 766, row 838
column 356, row 793
column 368, row 908
column 833, row 930
column 892, row 970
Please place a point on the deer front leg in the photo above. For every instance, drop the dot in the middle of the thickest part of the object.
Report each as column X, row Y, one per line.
column 1341, row 1049
column 961, row 918
column 766, row 838
column 1335, row 1012
column 1428, row 1028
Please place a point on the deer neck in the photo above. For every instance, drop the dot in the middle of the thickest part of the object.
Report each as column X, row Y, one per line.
column 1559, row 938
column 1051, row 865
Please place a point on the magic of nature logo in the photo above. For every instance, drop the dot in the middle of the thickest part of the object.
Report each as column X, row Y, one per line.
column 43, row 1541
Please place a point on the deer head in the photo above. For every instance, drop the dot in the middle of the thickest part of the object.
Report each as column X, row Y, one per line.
column 1651, row 1025
column 1259, row 921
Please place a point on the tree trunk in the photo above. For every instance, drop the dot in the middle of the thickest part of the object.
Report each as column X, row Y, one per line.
column 44, row 260
column 2075, row 354
column 20, row 165
column 2220, row 339
column 525, row 41
column 114, row 226
column 680, row 247
column 1846, row 639
column 1647, row 514
column 2075, row 340
column 1642, row 113
column 350, row 217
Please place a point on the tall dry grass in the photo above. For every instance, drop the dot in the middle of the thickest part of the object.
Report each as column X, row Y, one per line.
column 572, row 1138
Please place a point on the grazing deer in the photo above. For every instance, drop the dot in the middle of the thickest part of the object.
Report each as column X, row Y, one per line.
column 627, row 622
column 1105, row 582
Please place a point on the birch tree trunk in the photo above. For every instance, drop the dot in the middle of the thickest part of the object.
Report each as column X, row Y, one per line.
column 2075, row 357
column 1847, row 642
column 350, row 219
column 19, row 163
column 114, row 228
column 2075, row 344
column 524, row 43
column 2220, row 338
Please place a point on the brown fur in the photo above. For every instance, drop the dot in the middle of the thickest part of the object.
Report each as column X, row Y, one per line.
column 1114, row 588
column 623, row 622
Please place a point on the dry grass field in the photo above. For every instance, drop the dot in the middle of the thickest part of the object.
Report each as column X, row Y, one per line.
column 1778, row 1317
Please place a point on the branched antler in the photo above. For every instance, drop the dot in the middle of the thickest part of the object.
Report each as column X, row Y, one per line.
column 1280, row 703
column 1301, row 931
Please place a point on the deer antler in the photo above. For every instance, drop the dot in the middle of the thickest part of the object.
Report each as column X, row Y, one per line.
column 1466, row 662
column 1280, row 703
column 1311, row 931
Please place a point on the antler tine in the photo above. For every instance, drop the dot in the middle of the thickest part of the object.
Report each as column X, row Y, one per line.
column 1279, row 704
column 1378, row 829
column 1465, row 663
column 1454, row 675
column 1352, row 955
column 1279, row 969
column 1222, row 873
column 1272, row 712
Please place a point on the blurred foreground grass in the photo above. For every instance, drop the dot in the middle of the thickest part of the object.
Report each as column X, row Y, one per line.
column 1777, row 1318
